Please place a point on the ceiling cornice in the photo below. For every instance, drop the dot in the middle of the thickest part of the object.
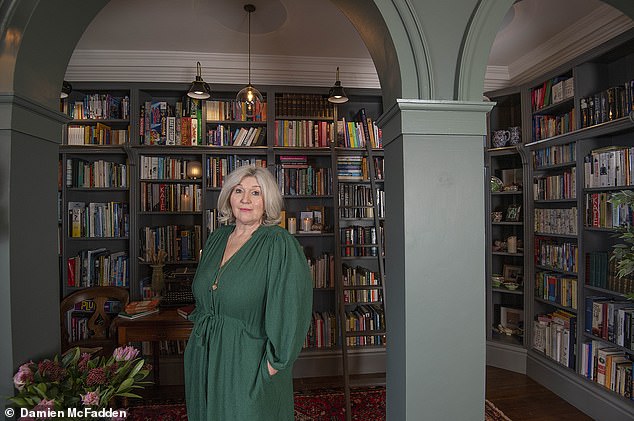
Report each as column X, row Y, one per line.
column 180, row 66
column 601, row 25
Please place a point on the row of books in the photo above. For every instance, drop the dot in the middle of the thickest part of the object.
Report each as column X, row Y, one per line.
column 609, row 167
column 322, row 332
column 355, row 201
column 163, row 168
column 165, row 348
column 551, row 92
column 556, row 187
column 308, row 105
column 304, row 181
column 77, row 328
column 89, row 306
column 322, row 270
column 351, row 168
column 363, row 237
column 365, row 317
column 610, row 319
column 601, row 213
column 357, row 134
column 359, row 276
column 362, row 296
column 181, row 243
column 554, row 334
column 163, row 124
column 607, row 105
column 303, row 133
column 98, row 220
column 555, row 155
column 607, row 366
column 219, row 167
column 157, row 197
column 100, row 174
column 238, row 136
column 601, row 273
column 545, row 126
column 211, row 220
column 99, row 134
column 98, row 106
column 556, row 288
column 556, row 221
column 98, row 267
column 556, row 255
column 231, row 110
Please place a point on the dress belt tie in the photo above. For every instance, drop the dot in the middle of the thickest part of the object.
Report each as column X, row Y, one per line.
column 201, row 327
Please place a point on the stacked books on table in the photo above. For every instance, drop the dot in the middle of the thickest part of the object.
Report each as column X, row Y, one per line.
column 137, row 309
column 186, row 310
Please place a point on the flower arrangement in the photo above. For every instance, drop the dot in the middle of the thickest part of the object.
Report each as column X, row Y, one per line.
column 79, row 380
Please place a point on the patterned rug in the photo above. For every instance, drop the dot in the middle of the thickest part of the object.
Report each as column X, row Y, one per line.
column 368, row 404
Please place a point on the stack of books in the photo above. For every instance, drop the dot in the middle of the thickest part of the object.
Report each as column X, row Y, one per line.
column 137, row 309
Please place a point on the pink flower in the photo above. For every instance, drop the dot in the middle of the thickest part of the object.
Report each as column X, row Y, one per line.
column 45, row 405
column 23, row 376
column 90, row 399
column 82, row 364
column 125, row 353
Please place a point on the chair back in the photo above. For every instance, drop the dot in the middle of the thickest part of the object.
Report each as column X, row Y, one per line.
column 99, row 322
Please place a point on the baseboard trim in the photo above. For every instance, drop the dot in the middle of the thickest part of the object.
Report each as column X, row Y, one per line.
column 578, row 391
column 507, row 357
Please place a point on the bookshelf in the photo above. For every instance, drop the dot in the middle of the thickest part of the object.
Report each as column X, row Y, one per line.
column 579, row 155
column 168, row 208
column 506, row 234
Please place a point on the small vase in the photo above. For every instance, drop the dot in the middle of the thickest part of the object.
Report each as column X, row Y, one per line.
column 158, row 279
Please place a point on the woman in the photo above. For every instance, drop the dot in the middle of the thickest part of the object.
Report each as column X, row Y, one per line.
column 253, row 307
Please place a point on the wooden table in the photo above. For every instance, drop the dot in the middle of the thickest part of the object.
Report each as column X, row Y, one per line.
column 166, row 325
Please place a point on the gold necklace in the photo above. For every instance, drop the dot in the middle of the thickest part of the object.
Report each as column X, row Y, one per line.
column 214, row 286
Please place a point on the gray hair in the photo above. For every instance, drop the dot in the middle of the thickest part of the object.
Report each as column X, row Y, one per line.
column 272, row 197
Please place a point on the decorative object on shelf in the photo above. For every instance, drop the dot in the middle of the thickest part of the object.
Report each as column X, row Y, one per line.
column 496, row 184
column 80, row 381
column 194, row 169
column 249, row 95
column 158, row 279
column 500, row 138
column 307, row 223
column 513, row 213
column 496, row 216
column 67, row 88
column 511, row 244
column 513, row 274
column 292, row 225
column 511, row 285
column 199, row 89
column 337, row 95
column 496, row 280
column 511, row 318
column 515, row 135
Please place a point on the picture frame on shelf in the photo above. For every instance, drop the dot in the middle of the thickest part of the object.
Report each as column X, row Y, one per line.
column 513, row 273
column 318, row 214
column 513, row 213
column 511, row 318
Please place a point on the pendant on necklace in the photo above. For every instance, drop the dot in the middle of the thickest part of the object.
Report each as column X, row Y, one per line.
column 214, row 287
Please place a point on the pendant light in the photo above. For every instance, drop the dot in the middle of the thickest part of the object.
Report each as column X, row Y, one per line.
column 337, row 95
column 66, row 90
column 249, row 95
column 199, row 89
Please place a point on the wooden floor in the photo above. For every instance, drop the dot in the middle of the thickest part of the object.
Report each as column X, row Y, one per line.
column 519, row 397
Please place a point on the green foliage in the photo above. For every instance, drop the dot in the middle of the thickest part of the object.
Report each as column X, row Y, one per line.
column 623, row 254
column 77, row 380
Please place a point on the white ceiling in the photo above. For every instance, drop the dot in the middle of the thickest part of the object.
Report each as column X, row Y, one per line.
column 300, row 42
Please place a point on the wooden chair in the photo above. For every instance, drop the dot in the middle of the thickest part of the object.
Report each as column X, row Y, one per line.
column 99, row 325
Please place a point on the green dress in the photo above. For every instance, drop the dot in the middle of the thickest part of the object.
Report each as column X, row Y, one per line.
column 260, row 311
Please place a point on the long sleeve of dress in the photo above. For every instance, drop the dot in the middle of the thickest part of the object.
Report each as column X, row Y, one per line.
column 288, row 301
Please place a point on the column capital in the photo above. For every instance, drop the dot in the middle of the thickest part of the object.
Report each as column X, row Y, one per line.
column 434, row 117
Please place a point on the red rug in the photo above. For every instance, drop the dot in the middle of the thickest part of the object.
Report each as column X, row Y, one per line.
column 324, row 405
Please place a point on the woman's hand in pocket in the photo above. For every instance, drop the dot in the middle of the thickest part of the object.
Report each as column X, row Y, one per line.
column 272, row 371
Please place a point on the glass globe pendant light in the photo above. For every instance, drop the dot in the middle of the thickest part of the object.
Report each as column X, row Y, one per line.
column 249, row 95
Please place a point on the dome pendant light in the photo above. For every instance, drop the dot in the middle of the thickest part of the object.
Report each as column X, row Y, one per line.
column 337, row 95
column 199, row 89
column 67, row 88
column 249, row 95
